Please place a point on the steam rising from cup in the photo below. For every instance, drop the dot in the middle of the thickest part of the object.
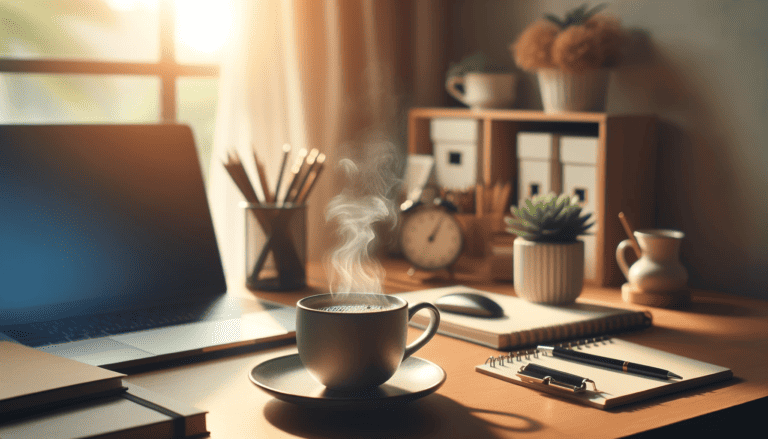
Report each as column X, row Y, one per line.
column 365, row 202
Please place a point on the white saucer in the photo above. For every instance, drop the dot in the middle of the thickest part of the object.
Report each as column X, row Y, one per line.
column 286, row 379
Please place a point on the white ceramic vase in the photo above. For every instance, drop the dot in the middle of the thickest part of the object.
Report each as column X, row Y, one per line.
column 548, row 273
column 658, row 270
column 562, row 91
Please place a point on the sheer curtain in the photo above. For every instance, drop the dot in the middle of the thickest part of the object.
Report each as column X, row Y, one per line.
column 314, row 74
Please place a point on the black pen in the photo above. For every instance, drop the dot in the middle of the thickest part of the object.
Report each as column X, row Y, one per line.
column 610, row 363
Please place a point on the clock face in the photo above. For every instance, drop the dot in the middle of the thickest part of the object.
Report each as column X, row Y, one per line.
column 431, row 239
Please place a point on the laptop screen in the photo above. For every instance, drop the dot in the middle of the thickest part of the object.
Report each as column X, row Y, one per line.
column 100, row 218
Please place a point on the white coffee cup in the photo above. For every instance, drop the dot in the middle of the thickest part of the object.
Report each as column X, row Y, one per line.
column 483, row 90
column 356, row 340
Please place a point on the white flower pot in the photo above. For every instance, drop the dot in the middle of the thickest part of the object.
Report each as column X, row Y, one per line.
column 562, row 91
column 550, row 273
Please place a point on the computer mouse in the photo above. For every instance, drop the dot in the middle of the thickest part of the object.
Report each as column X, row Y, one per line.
column 471, row 304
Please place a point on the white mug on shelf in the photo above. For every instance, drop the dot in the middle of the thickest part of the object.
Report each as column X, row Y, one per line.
column 483, row 90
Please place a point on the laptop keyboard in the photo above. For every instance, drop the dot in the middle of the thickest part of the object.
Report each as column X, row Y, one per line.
column 100, row 325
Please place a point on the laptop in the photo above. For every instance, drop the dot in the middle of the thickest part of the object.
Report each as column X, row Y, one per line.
column 107, row 249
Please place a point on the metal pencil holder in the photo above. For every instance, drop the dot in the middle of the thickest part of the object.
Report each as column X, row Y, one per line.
column 275, row 246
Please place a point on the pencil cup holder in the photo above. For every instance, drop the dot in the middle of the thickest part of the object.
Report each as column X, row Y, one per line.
column 275, row 246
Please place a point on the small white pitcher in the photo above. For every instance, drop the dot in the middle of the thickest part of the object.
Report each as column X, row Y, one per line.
column 659, row 269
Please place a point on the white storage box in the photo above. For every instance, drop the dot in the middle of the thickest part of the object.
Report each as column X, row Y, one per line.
column 578, row 156
column 455, row 147
column 454, row 130
column 538, row 166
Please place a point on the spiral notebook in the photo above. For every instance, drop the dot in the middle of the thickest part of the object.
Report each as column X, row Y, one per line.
column 606, row 387
column 527, row 324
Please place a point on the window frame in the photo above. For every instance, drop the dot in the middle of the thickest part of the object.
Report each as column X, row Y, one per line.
column 166, row 68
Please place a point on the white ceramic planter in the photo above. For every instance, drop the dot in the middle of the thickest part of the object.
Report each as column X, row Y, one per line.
column 561, row 91
column 550, row 273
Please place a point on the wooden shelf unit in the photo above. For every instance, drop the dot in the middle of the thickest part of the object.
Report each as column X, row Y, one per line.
column 626, row 164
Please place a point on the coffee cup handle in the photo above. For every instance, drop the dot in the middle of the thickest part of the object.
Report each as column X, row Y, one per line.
column 621, row 258
column 430, row 332
column 452, row 89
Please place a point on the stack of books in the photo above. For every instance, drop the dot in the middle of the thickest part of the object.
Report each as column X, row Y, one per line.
column 44, row 395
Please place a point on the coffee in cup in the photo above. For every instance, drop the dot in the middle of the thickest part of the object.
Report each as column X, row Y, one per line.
column 357, row 340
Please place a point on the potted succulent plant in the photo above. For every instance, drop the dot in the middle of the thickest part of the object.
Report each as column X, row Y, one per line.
column 571, row 57
column 548, row 257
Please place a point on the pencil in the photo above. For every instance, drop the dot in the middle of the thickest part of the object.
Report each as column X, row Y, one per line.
column 295, row 169
column 319, row 164
column 306, row 168
column 234, row 167
column 494, row 208
column 505, row 191
column 262, row 174
column 286, row 151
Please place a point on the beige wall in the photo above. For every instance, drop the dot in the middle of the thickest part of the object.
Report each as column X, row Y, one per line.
column 702, row 67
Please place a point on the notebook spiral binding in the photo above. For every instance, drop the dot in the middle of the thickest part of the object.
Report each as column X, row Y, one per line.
column 536, row 374
column 527, row 354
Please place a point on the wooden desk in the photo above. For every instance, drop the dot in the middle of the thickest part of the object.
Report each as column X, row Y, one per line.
column 724, row 330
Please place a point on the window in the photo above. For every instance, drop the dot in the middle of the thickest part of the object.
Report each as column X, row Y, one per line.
column 123, row 61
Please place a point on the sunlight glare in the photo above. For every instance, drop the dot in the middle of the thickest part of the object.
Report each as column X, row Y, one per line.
column 203, row 25
column 131, row 5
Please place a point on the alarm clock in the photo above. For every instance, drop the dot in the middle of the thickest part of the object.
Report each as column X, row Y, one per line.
column 431, row 238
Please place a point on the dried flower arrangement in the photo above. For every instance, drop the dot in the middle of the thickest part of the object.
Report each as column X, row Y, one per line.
column 582, row 41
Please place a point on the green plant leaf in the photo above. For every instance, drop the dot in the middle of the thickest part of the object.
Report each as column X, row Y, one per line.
column 550, row 218
column 578, row 13
column 520, row 224
column 581, row 220
column 530, row 215
column 557, row 209
column 576, row 16
column 555, row 19
column 530, row 205
column 589, row 14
